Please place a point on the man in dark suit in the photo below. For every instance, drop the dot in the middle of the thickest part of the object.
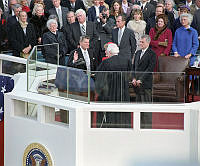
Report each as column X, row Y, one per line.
column 13, row 19
column 60, row 12
column 147, row 8
column 143, row 66
column 104, row 28
column 124, row 38
column 82, row 27
column 94, row 11
column 73, row 5
column 83, row 57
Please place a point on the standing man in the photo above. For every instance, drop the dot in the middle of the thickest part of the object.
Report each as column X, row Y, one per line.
column 104, row 28
column 143, row 66
column 83, row 57
column 124, row 38
column 82, row 28
column 147, row 8
column 60, row 12
column 73, row 5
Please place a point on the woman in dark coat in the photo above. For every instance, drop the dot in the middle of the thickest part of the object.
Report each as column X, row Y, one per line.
column 57, row 41
column 23, row 37
column 39, row 21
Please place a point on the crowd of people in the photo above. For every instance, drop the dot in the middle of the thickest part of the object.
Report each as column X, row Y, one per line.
column 82, row 31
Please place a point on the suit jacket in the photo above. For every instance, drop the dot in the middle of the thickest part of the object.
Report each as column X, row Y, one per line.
column 10, row 22
column 50, row 52
column 80, row 55
column 196, row 21
column 64, row 14
column 19, row 40
column 75, row 33
column 92, row 13
column 143, row 68
column 78, row 5
column 127, row 45
column 105, row 32
column 148, row 11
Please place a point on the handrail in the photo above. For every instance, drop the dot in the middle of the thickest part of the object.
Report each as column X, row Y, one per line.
column 13, row 58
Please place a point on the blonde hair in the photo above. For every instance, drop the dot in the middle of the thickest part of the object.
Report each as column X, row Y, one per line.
column 36, row 5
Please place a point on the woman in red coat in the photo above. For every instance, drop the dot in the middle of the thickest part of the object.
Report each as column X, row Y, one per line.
column 161, row 37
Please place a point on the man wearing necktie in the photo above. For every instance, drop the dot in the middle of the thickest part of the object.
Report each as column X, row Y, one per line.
column 124, row 38
column 83, row 57
column 143, row 66
column 82, row 27
column 60, row 12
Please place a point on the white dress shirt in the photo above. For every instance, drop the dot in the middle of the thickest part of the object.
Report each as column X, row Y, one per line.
column 86, row 58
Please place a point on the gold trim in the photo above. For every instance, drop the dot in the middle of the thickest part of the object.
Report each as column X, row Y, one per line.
column 38, row 146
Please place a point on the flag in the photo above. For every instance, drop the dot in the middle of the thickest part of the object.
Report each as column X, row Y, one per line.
column 6, row 85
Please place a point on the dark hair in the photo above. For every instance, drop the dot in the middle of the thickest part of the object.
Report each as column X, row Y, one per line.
column 138, row 11
column 112, row 11
column 161, row 7
column 123, row 17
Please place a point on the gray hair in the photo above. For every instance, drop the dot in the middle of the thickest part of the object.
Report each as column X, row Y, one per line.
column 188, row 15
column 49, row 22
column 171, row 1
column 113, row 49
column 80, row 11
column 147, row 37
column 84, row 37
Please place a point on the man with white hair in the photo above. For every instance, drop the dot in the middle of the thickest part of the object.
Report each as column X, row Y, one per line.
column 81, row 28
column 60, row 12
column 112, row 85
column 115, row 81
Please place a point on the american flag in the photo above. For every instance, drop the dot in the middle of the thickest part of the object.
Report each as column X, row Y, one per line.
column 6, row 85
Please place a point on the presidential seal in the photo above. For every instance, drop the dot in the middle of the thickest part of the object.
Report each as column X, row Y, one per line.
column 36, row 155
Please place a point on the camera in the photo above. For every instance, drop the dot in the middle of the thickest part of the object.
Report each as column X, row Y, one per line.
column 104, row 16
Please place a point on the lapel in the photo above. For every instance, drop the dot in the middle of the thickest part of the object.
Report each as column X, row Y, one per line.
column 117, row 30
column 87, row 27
column 144, row 56
column 138, row 58
column 53, row 37
column 78, row 30
column 55, row 12
column 21, row 30
column 123, row 35
column 80, row 55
